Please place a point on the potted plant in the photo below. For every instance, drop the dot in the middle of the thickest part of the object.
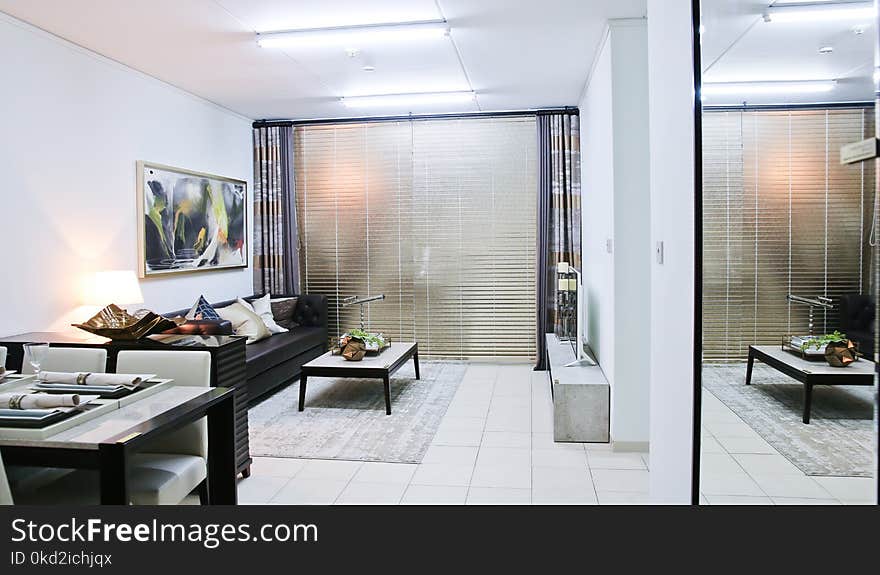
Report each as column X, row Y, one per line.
column 839, row 351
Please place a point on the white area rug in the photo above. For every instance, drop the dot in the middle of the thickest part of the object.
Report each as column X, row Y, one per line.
column 345, row 418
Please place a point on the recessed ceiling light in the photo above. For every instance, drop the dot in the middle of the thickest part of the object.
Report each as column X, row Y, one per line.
column 347, row 36
column 826, row 49
column 767, row 88
column 404, row 100
column 369, row 68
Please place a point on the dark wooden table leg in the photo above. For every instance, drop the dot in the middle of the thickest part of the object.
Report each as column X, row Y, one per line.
column 387, row 381
column 113, row 472
column 749, row 366
column 416, row 361
column 302, row 391
column 808, row 400
column 222, row 489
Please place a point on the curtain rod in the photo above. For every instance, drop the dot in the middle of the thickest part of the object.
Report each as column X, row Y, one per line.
column 831, row 105
column 570, row 110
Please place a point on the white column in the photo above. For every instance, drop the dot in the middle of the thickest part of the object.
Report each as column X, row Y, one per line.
column 671, row 101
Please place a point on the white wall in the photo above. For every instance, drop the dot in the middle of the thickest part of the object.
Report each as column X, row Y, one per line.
column 73, row 126
column 671, row 84
column 616, row 199
column 597, row 207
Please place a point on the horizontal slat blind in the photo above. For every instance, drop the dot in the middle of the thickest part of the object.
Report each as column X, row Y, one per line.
column 439, row 215
column 780, row 216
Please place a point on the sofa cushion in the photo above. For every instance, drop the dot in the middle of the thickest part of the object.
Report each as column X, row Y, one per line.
column 269, row 352
column 282, row 311
column 245, row 322
column 263, row 308
column 202, row 310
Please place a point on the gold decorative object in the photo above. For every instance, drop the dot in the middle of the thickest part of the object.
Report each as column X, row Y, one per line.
column 115, row 323
column 841, row 353
column 354, row 349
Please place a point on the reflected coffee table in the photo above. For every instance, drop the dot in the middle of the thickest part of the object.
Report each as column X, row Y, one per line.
column 381, row 366
column 809, row 373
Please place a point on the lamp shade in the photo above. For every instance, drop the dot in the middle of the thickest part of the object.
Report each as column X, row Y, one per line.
column 119, row 287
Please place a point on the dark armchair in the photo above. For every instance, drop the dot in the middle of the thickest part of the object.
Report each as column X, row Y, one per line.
column 858, row 321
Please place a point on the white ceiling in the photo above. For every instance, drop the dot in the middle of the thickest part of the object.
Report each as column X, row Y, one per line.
column 738, row 46
column 516, row 54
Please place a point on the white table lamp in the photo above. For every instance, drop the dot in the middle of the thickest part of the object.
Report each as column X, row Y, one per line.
column 120, row 287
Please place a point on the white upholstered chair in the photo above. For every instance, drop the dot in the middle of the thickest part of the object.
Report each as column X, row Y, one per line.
column 2, row 356
column 92, row 360
column 5, row 492
column 174, row 465
column 171, row 468
column 70, row 359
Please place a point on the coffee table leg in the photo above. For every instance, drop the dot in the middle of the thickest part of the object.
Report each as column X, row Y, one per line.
column 302, row 391
column 387, row 381
column 416, row 361
column 749, row 367
column 808, row 400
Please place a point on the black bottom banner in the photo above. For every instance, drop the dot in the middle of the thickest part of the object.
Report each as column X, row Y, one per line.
column 266, row 538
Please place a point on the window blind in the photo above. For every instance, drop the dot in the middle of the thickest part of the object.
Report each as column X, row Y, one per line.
column 439, row 215
column 780, row 216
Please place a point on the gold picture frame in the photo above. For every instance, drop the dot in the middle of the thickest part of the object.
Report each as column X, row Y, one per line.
column 189, row 221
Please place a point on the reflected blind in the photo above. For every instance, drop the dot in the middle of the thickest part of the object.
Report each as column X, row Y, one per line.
column 780, row 216
column 438, row 215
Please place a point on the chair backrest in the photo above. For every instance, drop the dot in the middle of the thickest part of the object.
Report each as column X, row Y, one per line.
column 91, row 360
column 2, row 356
column 190, row 368
column 5, row 492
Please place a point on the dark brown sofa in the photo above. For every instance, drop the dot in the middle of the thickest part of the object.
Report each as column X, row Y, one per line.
column 276, row 361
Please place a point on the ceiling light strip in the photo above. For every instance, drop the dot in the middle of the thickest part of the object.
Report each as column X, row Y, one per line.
column 791, row 13
column 767, row 88
column 349, row 36
column 421, row 99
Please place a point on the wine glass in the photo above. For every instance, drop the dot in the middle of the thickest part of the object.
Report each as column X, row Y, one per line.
column 35, row 354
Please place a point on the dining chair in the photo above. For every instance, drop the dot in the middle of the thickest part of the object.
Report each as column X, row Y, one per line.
column 173, row 466
column 91, row 360
column 5, row 492
column 2, row 356
column 69, row 359
column 170, row 468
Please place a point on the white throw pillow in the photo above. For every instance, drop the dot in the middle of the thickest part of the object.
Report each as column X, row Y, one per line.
column 245, row 322
column 263, row 308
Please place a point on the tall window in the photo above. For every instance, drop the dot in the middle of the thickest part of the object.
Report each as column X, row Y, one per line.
column 781, row 215
column 438, row 215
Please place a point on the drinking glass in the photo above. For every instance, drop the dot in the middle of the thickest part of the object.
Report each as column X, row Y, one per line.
column 35, row 354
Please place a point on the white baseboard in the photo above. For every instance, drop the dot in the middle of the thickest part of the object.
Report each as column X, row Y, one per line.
column 630, row 446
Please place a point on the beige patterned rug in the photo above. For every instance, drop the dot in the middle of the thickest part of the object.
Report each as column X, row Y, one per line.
column 838, row 440
column 345, row 418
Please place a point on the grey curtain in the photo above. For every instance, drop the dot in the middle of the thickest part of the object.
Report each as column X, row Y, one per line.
column 559, row 213
column 276, row 243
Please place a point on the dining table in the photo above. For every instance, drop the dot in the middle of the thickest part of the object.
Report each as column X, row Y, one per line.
column 104, row 435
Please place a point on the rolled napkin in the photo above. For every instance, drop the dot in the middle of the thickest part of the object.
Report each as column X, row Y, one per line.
column 127, row 380
column 37, row 401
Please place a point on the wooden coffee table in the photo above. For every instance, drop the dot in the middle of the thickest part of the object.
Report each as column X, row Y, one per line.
column 381, row 366
column 810, row 373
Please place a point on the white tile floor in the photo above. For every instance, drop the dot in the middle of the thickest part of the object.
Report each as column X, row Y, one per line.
column 494, row 446
column 740, row 468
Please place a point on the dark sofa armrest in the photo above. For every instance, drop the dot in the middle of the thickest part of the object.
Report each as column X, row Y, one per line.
column 311, row 310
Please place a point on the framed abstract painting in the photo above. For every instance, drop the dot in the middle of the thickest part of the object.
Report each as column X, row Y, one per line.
column 189, row 221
